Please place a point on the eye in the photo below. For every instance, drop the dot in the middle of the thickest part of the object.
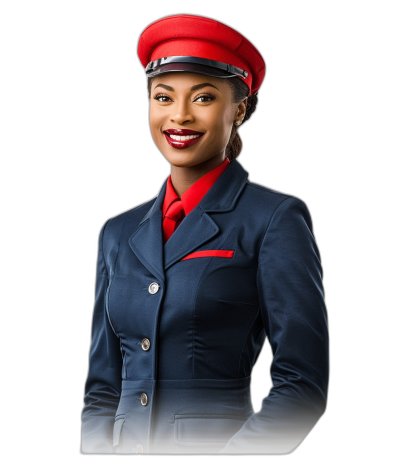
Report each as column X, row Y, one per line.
column 162, row 98
column 204, row 98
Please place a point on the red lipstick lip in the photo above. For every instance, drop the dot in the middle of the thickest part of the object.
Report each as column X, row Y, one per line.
column 182, row 144
column 182, row 132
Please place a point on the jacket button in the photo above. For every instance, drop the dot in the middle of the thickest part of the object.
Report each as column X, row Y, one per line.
column 143, row 399
column 153, row 287
column 139, row 449
column 145, row 344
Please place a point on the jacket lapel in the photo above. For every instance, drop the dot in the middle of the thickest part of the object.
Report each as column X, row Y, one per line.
column 196, row 228
column 147, row 242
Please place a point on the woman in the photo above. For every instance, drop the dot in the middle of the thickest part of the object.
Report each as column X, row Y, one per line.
column 191, row 283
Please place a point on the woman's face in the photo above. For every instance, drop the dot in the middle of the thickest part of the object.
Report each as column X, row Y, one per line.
column 191, row 117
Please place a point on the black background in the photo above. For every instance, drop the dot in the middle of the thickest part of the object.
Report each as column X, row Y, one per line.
column 109, row 162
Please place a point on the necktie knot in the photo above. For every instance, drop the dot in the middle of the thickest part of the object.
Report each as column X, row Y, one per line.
column 173, row 217
column 175, row 211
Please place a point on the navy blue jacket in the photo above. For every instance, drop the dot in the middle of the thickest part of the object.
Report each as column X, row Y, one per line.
column 174, row 342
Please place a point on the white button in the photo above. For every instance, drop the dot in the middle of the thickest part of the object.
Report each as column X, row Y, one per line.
column 139, row 449
column 153, row 287
column 145, row 344
column 143, row 399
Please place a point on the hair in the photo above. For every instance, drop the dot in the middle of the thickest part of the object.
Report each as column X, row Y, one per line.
column 240, row 92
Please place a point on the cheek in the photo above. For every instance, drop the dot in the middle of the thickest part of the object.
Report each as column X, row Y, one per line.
column 155, row 122
column 222, row 127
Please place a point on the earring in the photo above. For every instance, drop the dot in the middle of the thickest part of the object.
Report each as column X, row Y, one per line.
column 237, row 123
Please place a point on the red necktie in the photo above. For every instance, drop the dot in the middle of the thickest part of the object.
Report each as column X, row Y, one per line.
column 173, row 217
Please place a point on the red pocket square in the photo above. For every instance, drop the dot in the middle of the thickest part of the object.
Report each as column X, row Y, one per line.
column 200, row 254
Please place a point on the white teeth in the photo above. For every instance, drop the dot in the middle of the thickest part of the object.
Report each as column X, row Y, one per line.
column 183, row 137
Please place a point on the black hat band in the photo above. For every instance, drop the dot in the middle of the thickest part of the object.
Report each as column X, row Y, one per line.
column 227, row 70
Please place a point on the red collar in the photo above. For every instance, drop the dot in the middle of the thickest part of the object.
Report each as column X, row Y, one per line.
column 192, row 196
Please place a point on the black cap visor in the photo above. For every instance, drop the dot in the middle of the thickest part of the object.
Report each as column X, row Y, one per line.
column 199, row 65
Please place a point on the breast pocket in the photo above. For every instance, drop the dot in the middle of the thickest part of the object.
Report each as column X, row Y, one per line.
column 206, row 430
column 209, row 253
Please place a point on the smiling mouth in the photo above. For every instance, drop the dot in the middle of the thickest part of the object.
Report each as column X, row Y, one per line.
column 182, row 138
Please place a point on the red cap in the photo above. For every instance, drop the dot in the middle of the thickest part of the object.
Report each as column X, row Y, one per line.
column 202, row 45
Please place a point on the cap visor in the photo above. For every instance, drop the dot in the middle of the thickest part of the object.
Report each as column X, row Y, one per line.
column 190, row 67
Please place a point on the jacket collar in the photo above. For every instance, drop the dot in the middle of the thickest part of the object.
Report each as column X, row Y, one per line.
column 196, row 228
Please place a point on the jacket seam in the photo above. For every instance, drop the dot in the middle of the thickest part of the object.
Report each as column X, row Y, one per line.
column 128, row 213
column 110, row 282
column 194, row 311
column 245, row 340
column 102, row 248
column 197, row 292
column 123, row 353
column 269, row 223
column 258, row 259
column 106, row 295
column 267, row 190
column 116, row 258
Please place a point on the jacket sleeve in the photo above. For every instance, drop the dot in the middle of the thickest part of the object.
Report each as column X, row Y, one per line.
column 291, row 294
column 103, row 384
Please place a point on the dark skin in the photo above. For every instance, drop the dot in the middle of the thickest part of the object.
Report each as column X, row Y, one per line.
column 183, row 100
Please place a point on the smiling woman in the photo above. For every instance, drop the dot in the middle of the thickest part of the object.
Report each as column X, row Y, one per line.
column 238, row 94
column 186, row 110
column 191, row 283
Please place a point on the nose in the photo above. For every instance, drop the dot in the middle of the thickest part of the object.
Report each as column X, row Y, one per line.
column 181, row 113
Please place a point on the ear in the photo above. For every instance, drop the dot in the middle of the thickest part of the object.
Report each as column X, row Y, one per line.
column 241, row 111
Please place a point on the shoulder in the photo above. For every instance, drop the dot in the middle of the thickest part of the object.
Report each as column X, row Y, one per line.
column 267, row 201
column 128, row 221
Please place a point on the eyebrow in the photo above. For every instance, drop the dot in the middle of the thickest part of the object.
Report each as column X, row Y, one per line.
column 194, row 88
column 202, row 85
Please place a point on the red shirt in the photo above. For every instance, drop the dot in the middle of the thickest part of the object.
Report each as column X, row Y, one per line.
column 192, row 196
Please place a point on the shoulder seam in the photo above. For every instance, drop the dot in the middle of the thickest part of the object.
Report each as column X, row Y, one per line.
column 268, row 190
column 259, row 251
column 270, row 220
column 102, row 246
column 133, row 209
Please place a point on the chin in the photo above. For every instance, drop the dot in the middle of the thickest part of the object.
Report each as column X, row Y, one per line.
column 182, row 157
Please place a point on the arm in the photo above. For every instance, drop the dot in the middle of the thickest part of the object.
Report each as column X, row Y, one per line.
column 103, row 384
column 292, row 305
